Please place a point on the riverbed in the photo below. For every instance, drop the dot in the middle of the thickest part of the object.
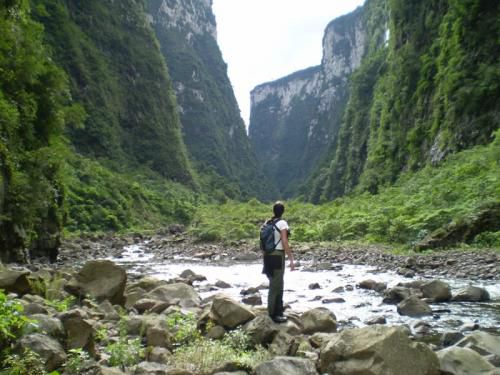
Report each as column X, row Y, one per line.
column 336, row 289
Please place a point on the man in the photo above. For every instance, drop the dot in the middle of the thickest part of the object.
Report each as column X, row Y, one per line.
column 274, row 264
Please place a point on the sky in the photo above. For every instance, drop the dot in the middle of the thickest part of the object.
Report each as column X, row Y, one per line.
column 263, row 40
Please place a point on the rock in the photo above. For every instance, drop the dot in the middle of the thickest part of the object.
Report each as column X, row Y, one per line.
column 101, row 280
column 182, row 294
column 49, row 349
column 482, row 343
column 320, row 339
column 377, row 350
column 396, row 295
column 222, row 284
column 253, row 300
column 463, row 361
column 79, row 330
column 248, row 256
column 12, row 281
column 145, row 304
column 46, row 325
column 261, row 330
column 109, row 311
column 216, row 332
column 376, row 320
column 147, row 284
column 229, row 313
column 103, row 370
column 151, row 368
column 158, row 336
column 314, row 286
column 191, row 276
column 451, row 338
column 471, row 294
column 319, row 319
column 436, row 290
column 332, row 300
column 286, row 366
column 414, row 307
column 283, row 344
column 158, row 355
column 372, row 285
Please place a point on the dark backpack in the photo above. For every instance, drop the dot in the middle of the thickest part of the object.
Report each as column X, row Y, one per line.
column 267, row 243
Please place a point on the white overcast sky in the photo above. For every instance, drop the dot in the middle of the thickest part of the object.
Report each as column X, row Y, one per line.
column 263, row 40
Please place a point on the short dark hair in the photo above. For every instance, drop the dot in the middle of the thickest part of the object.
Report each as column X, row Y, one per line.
column 278, row 209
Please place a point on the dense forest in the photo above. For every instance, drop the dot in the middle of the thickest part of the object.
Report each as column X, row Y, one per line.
column 118, row 116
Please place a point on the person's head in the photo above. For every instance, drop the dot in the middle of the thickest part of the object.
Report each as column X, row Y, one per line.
column 278, row 209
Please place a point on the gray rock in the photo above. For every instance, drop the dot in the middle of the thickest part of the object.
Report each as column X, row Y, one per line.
column 49, row 349
column 222, row 284
column 252, row 300
column 79, row 330
column 179, row 293
column 101, row 280
column 396, row 295
column 481, row 342
column 376, row 320
column 472, row 294
column 261, row 330
column 158, row 355
column 437, row 290
column 12, row 281
column 46, row 325
column 372, row 285
column 414, row 307
column 463, row 361
column 191, row 276
column 286, row 366
column 283, row 344
column 151, row 368
column 451, row 338
column 377, row 350
column 318, row 320
column 229, row 313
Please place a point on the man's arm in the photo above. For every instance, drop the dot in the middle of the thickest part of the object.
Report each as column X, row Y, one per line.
column 286, row 247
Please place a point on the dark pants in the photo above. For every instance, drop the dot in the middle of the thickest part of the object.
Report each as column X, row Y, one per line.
column 274, row 268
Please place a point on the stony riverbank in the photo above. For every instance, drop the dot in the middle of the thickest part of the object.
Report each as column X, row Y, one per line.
column 470, row 264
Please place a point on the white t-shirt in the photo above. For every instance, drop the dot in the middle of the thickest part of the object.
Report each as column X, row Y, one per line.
column 282, row 224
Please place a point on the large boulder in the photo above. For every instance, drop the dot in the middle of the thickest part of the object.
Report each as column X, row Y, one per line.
column 319, row 319
column 101, row 280
column 372, row 285
column 437, row 290
column 471, row 294
column 463, row 361
column 12, row 281
column 396, row 294
column 229, row 313
column 50, row 350
column 414, row 307
column 377, row 350
column 482, row 342
column 180, row 294
column 261, row 330
column 47, row 325
column 79, row 330
column 286, row 366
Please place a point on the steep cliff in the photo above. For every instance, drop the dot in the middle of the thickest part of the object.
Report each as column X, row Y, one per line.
column 294, row 121
column 433, row 92
column 212, row 127
column 119, row 76
column 34, row 107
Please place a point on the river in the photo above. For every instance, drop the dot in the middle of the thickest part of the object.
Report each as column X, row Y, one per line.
column 360, row 305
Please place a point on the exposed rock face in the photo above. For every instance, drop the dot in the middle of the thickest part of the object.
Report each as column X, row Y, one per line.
column 286, row 366
column 302, row 112
column 100, row 279
column 229, row 313
column 213, row 130
column 377, row 350
column 50, row 350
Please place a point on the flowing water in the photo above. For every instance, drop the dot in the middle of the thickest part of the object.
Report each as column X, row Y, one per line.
column 359, row 306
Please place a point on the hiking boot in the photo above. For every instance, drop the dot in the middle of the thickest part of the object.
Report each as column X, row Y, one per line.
column 279, row 319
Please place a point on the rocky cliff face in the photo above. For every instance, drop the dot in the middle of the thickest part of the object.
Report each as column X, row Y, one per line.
column 212, row 127
column 295, row 120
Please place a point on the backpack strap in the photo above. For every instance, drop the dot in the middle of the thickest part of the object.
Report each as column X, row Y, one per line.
column 274, row 222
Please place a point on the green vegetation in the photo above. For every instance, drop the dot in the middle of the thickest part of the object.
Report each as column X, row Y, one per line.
column 101, row 200
column 417, row 204
column 27, row 363
column 76, row 360
column 433, row 91
column 200, row 354
column 12, row 321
